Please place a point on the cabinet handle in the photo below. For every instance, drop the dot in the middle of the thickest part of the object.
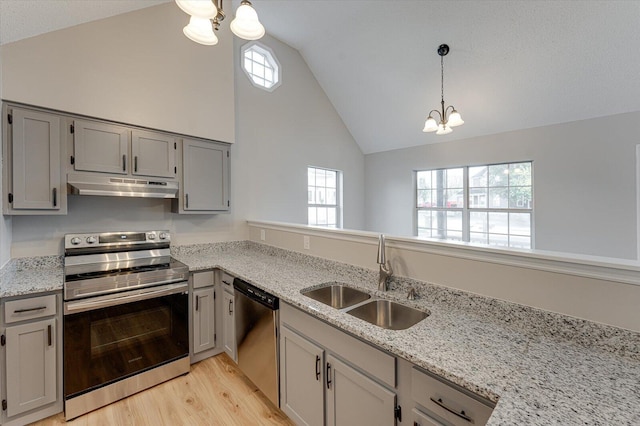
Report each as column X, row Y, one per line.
column 135, row 163
column 55, row 197
column 328, row 376
column 318, row 367
column 186, row 200
column 461, row 414
column 21, row 311
column 49, row 334
column 230, row 307
column 124, row 163
column 197, row 300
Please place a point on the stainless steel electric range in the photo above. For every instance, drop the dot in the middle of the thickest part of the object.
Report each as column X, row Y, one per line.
column 125, row 316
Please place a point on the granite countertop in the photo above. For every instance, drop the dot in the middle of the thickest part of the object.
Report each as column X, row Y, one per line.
column 540, row 368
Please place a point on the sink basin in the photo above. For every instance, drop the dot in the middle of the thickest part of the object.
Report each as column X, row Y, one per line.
column 388, row 314
column 337, row 296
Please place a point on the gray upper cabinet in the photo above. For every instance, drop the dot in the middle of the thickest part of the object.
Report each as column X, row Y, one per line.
column 101, row 147
column 205, row 177
column 33, row 152
column 109, row 148
column 154, row 154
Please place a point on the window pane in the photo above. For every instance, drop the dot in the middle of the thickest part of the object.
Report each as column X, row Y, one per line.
column 424, row 198
column 311, row 199
column 320, row 177
column 424, row 233
column 322, row 216
column 330, row 178
column 258, row 70
column 321, row 196
column 520, row 174
column 499, row 240
column 331, row 196
column 520, row 197
column 498, row 198
column 498, row 223
column 479, row 238
column 454, row 178
column 454, row 235
column 311, row 176
column 312, row 216
column 423, row 180
column 520, row 242
column 331, row 216
column 268, row 75
column 455, row 198
column 478, row 222
column 520, row 224
column 499, row 175
column 454, row 221
column 478, row 177
column 477, row 198
column 424, row 219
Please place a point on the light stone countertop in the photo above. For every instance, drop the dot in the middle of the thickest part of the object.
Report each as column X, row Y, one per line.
column 541, row 368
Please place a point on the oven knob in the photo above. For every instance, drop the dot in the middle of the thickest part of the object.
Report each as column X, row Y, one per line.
column 151, row 235
column 75, row 241
column 164, row 235
column 91, row 240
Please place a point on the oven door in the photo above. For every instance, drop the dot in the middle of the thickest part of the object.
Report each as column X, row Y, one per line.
column 110, row 338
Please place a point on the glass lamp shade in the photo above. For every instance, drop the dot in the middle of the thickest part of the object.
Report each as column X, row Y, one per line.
column 200, row 31
column 199, row 8
column 455, row 119
column 443, row 129
column 246, row 24
column 430, row 125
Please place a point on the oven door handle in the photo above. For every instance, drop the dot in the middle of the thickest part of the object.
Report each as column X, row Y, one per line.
column 127, row 297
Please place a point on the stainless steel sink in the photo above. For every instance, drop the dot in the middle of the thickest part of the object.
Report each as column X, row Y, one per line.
column 337, row 296
column 388, row 314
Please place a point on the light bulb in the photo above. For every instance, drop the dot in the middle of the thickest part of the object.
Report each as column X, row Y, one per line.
column 430, row 125
column 455, row 119
column 246, row 24
column 443, row 129
column 200, row 31
column 199, row 8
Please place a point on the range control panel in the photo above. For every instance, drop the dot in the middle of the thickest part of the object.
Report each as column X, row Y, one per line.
column 113, row 239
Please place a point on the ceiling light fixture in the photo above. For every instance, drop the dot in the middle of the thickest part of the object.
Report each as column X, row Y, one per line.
column 454, row 119
column 206, row 16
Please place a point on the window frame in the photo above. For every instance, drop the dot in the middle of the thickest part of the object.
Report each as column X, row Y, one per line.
column 338, row 206
column 270, row 57
column 467, row 209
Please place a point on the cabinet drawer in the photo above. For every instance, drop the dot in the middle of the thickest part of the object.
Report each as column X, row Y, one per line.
column 203, row 279
column 421, row 419
column 227, row 280
column 448, row 402
column 26, row 309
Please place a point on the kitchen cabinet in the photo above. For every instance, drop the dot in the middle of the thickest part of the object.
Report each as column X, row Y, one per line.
column 33, row 150
column 32, row 359
column 228, row 317
column 204, row 322
column 110, row 148
column 205, row 178
column 329, row 377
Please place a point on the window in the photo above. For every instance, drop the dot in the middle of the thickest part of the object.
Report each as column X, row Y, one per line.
column 489, row 204
column 324, row 197
column 261, row 66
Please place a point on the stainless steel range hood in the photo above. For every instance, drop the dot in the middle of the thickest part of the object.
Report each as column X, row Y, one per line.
column 126, row 186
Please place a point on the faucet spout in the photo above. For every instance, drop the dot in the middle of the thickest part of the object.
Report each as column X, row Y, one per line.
column 385, row 267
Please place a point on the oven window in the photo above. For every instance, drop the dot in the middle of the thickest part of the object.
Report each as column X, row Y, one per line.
column 109, row 344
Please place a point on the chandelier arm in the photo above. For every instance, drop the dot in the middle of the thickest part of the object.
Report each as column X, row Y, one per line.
column 437, row 112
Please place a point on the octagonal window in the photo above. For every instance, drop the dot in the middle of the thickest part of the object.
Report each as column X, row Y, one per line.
column 261, row 66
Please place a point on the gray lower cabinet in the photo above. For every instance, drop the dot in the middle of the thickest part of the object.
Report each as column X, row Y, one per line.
column 204, row 320
column 329, row 377
column 33, row 150
column 32, row 359
column 229, row 325
column 205, row 178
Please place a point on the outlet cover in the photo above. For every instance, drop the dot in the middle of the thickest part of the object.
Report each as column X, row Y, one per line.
column 307, row 243
column 262, row 235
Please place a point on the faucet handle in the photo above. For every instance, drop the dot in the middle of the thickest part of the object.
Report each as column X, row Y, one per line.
column 382, row 258
column 412, row 294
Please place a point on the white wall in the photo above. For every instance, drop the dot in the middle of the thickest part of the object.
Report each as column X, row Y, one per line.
column 277, row 134
column 584, row 182
column 281, row 133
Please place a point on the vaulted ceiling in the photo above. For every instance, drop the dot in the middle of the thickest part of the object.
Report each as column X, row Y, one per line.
column 512, row 65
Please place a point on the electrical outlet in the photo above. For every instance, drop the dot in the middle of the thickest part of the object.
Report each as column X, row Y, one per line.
column 307, row 243
column 262, row 235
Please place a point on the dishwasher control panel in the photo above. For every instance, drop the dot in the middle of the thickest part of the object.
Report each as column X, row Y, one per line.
column 259, row 295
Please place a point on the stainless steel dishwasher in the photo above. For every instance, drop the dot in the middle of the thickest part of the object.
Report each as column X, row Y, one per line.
column 256, row 319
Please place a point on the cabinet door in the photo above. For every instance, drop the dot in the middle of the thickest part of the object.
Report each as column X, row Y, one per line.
column 204, row 322
column 154, row 154
column 36, row 160
column 353, row 398
column 205, row 176
column 301, row 379
column 101, row 147
column 228, row 321
column 31, row 366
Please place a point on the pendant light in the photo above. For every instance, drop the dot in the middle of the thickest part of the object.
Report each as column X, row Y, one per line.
column 206, row 16
column 446, row 122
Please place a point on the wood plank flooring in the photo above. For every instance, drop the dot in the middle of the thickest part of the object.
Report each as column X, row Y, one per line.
column 215, row 392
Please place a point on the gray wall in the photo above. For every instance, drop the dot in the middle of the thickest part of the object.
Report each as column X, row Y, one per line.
column 5, row 221
column 277, row 134
column 584, row 182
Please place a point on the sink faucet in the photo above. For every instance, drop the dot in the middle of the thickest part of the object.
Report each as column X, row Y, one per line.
column 385, row 267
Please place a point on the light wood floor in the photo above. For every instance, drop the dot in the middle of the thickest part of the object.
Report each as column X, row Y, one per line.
column 215, row 392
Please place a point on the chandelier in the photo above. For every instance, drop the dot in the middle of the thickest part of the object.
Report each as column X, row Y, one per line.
column 206, row 16
column 446, row 122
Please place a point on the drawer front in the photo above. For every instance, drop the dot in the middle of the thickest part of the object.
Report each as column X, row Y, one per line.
column 421, row 419
column 447, row 402
column 26, row 309
column 203, row 279
column 227, row 281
